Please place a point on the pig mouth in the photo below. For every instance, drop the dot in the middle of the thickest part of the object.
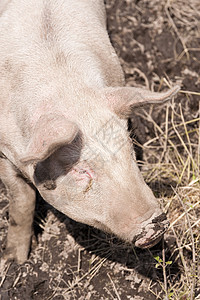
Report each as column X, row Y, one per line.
column 151, row 234
column 146, row 242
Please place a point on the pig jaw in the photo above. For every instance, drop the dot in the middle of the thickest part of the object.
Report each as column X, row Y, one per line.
column 143, row 232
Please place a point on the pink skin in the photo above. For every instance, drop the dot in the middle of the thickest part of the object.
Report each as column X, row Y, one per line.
column 83, row 174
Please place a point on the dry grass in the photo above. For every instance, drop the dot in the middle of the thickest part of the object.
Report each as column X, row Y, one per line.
column 174, row 154
column 178, row 139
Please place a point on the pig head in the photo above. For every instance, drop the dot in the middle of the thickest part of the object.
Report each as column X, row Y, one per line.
column 63, row 124
column 88, row 169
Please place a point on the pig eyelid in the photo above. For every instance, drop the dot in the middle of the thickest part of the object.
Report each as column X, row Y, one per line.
column 84, row 171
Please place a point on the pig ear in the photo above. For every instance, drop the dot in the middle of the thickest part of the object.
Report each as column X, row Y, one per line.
column 50, row 133
column 123, row 100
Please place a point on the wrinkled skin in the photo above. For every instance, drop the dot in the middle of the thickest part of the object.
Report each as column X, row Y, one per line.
column 63, row 124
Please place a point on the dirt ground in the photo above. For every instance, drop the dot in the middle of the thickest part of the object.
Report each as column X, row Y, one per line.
column 155, row 40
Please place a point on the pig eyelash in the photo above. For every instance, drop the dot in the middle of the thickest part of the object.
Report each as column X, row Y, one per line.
column 82, row 171
column 85, row 172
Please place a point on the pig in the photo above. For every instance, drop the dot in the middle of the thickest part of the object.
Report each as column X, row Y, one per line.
column 63, row 124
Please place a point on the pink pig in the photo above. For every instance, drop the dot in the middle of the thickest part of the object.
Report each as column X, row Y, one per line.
column 63, row 123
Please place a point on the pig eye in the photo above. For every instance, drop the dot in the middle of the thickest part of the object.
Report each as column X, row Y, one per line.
column 82, row 171
column 84, row 176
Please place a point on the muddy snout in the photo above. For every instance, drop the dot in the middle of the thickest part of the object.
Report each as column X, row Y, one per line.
column 152, row 231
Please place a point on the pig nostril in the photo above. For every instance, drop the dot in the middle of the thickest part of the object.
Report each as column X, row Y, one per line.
column 160, row 218
column 161, row 225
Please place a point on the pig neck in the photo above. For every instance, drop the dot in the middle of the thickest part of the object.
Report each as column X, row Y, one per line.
column 52, row 69
column 70, row 35
column 57, row 52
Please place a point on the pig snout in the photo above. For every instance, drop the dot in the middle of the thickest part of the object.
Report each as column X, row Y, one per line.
column 152, row 231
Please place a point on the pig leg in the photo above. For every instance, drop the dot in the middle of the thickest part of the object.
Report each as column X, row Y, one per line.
column 21, row 211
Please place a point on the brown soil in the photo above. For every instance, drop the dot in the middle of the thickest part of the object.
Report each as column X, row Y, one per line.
column 69, row 260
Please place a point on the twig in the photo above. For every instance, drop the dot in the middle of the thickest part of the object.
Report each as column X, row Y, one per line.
column 167, row 7
column 114, row 287
column 3, row 270
column 79, row 259
column 181, row 140
column 149, row 118
column 189, row 92
column 193, row 247
column 181, row 255
column 164, row 268
column 183, row 214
